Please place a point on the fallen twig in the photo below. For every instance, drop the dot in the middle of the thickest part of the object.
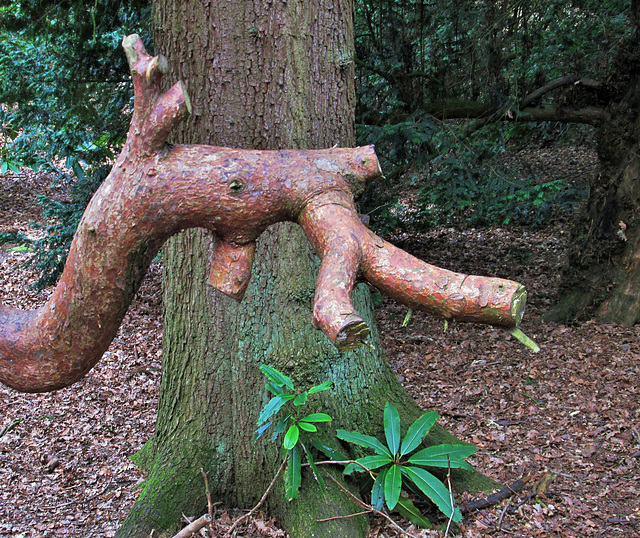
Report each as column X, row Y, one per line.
column 194, row 527
column 368, row 508
column 453, row 508
column 210, row 505
column 502, row 514
column 497, row 497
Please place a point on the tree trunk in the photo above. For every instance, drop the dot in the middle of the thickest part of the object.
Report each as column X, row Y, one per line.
column 604, row 272
column 278, row 75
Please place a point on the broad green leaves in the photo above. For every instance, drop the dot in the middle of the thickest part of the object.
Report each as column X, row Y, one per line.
column 417, row 431
column 393, row 467
column 392, row 486
column 293, row 473
column 299, row 427
column 434, row 489
column 291, row 437
column 392, row 428
column 278, row 379
column 274, row 405
column 444, row 456
column 365, row 441
column 318, row 388
column 316, row 417
column 8, row 164
column 368, row 463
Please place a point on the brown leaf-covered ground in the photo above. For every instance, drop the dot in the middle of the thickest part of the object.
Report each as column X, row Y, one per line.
column 568, row 417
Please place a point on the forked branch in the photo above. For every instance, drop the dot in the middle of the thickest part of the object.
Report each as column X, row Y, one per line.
column 155, row 190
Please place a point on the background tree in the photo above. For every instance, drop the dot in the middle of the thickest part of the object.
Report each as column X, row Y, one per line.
column 271, row 85
column 605, row 260
column 504, row 61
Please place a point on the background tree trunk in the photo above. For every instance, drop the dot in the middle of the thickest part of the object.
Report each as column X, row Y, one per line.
column 261, row 76
column 604, row 267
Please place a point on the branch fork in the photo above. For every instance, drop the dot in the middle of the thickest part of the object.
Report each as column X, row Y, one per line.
column 155, row 190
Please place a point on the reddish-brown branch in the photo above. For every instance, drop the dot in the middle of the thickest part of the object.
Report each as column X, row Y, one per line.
column 231, row 268
column 155, row 190
column 336, row 232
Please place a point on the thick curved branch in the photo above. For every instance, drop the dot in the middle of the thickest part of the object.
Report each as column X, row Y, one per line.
column 334, row 229
column 155, row 190
column 236, row 194
column 330, row 231
column 558, row 83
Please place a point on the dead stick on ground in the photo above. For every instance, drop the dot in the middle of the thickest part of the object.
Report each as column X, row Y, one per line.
column 210, row 505
column 453, row 508
column 194, row 527
column 500, row 496
column 367, row 507
column 502, row 514
column 261, row 501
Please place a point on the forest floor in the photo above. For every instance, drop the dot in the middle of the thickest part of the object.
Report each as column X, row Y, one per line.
column 567, row 418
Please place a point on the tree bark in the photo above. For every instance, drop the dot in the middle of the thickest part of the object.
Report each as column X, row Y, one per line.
column 261, row 76
column 603, row 277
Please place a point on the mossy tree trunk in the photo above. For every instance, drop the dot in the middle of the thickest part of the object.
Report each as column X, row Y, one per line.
column 262, row 76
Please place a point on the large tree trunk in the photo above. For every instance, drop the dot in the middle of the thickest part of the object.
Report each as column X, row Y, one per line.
column 261, row 76
column 604, row 273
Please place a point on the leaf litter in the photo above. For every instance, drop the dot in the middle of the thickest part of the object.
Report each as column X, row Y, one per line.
column 567, row 418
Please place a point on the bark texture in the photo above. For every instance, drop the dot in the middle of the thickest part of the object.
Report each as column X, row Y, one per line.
column 604, row 273
column 262, row 77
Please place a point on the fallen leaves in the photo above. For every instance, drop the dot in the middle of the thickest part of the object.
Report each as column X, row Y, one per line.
column 571, row 412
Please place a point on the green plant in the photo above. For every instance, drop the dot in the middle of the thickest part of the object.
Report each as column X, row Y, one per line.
column 393, row 461
column 397, row 468
column 8, row 162
column 66, row 100
column 298, row 427
column 14, row 237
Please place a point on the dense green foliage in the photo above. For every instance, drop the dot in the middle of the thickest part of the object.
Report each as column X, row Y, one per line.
column 66, row 95
column 297, row 425
column 433, row 78
column 427, row 69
